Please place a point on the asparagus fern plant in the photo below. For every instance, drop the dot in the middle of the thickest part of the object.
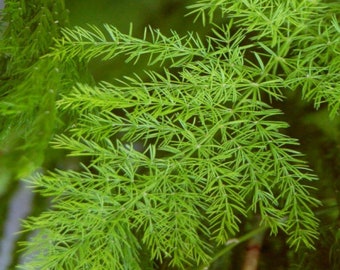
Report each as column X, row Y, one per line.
column 183, row 157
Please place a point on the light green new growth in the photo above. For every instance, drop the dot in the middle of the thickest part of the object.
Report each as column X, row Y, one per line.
column 178, row 158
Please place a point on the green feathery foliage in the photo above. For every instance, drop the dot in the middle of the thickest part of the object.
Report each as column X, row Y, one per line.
column 184, row 157
column 29, row 84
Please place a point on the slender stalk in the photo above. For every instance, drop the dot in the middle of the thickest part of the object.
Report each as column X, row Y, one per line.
column 253, row 252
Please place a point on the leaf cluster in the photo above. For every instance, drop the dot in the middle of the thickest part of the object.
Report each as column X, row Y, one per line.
column 297, row 39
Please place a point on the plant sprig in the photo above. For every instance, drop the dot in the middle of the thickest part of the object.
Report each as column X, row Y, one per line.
column 178, row 160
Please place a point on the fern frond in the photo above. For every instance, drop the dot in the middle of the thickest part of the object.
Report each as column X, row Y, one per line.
column 198, row 155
